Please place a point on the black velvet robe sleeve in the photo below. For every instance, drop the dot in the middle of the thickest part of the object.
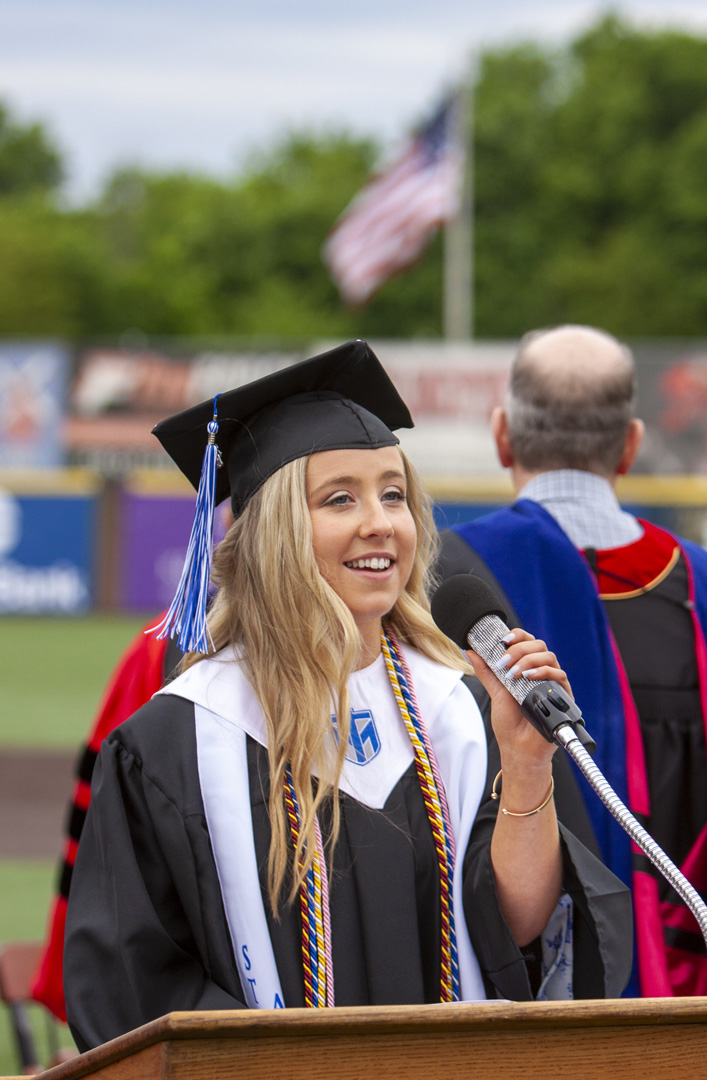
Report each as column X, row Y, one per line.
column 146, row 932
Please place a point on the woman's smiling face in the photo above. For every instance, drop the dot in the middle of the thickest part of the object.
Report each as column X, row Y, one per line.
column 364, row 534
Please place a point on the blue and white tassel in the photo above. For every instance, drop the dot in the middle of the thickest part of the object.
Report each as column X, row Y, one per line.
column 186, row 618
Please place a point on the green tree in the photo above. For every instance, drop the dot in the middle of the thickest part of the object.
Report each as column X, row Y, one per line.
column 47, row 273
column 51, row 274
column 190, row 255
column 270, row 278
column 590, row 205
column 598, row 168
column 514, row 102
column 28, row 161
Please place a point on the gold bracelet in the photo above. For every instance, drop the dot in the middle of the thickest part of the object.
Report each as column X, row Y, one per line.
column 528, row 813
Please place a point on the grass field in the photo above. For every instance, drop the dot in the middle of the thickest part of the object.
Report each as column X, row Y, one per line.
column 53, row 675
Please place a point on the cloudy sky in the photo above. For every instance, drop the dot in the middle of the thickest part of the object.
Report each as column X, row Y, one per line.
column 199, row 83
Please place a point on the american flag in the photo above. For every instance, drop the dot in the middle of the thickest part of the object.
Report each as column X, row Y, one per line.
column 394, row 216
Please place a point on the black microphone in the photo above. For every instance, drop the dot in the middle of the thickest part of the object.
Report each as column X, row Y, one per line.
column 468, row 611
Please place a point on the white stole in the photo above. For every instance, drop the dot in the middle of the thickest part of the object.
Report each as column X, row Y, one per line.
column 226, row 710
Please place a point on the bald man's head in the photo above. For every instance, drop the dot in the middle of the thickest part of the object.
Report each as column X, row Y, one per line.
column 571, row 400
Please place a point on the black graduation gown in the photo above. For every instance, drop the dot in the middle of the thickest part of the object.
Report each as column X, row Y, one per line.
column 146, row 928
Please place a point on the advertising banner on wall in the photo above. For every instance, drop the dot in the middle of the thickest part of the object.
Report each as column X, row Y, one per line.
column 33, row 388
column 154, row 530
column 451, row 388
column 47, row 550
column 118, row 396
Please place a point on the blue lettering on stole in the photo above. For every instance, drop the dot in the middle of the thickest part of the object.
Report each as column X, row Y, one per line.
column 364, row 740
column 278, row 1002
column 247, row 965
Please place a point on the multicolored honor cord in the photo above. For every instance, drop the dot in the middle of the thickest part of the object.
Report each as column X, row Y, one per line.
column 314, row 894
column 435, row 803
column 314, row 910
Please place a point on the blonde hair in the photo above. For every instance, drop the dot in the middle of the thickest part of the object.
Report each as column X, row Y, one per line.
column 299, row 644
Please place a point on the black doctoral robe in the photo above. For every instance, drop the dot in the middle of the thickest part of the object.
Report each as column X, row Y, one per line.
column 147, row 932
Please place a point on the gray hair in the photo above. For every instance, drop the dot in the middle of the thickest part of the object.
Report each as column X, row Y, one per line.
column 570, row 415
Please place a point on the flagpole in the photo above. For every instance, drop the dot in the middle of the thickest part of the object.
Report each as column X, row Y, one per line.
column 458, row 283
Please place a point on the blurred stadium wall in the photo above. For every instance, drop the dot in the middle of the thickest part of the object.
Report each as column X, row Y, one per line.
column 94, row 515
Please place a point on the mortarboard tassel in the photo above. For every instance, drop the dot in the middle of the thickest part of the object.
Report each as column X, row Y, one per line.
column 187, row 614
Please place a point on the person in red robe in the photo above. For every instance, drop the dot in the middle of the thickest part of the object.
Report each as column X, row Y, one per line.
column 139, row 673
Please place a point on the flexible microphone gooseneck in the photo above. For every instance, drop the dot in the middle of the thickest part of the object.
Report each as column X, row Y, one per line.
column 467, row 610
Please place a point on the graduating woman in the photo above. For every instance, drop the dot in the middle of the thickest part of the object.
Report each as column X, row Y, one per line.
column 303, row 816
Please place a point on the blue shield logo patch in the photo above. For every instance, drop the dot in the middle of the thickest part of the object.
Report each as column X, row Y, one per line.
column 364, row 741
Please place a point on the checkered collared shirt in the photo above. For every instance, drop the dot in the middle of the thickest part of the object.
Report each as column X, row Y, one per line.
column 585, row 507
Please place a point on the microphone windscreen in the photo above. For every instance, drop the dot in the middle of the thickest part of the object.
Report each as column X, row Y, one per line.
column 460, row 602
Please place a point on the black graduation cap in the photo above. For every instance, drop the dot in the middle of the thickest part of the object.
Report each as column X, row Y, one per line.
column 339, row 400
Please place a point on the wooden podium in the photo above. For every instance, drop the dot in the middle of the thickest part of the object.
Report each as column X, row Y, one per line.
column 651, row 1039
